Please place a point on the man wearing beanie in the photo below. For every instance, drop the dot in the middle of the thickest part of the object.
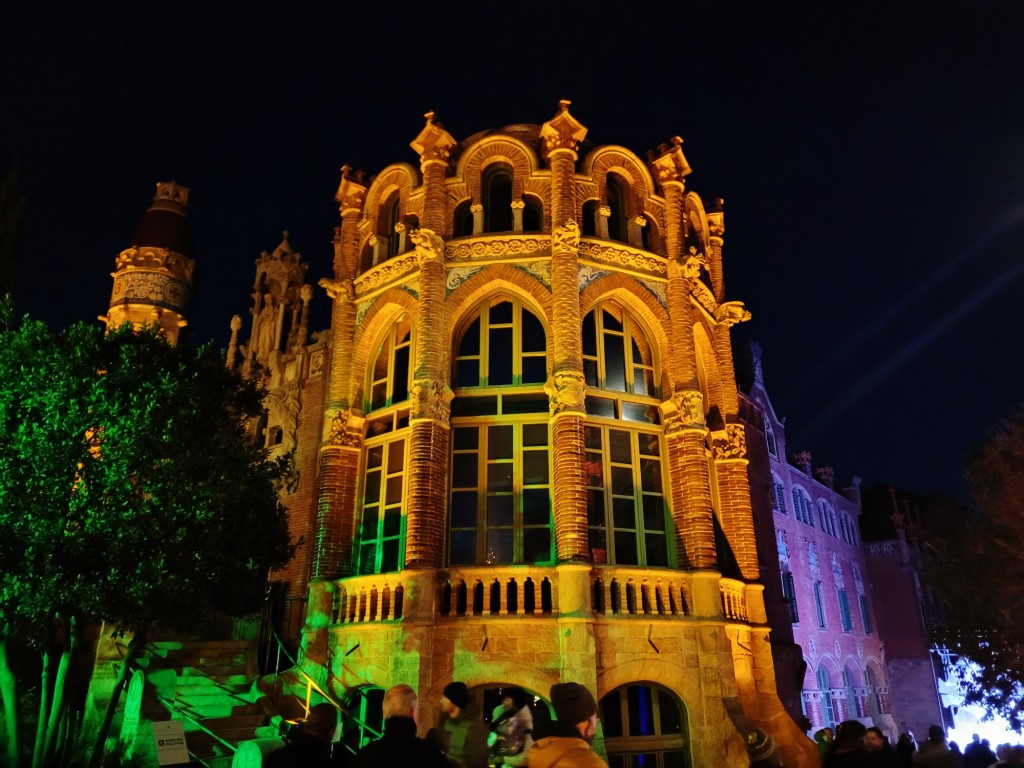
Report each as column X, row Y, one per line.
column 568, row 745
column 462, row 719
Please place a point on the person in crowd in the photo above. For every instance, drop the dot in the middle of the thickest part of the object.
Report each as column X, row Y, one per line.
column 823, row 738
column 311, row 746
column 906, row 746
column 462, row 719
column 935, row 753
column 978, row 753
column 567, row 745
column 848, row 749
column 881, row 752
column 400, row 745
column 511, row 729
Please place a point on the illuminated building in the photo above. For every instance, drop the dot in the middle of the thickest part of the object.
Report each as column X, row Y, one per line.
column 519, row 453
column 823, row 590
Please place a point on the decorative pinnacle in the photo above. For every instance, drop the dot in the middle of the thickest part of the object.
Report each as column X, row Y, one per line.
column 236, row 323
column 563, row 105
column 285, row 234
column 430, row 116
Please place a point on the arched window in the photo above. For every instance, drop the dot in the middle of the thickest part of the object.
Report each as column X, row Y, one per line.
column 533, row 214
column 501, row 481
column 382, row 522
column 802, row 507
column 852, row 708
column 497, row 200
column 778, row 494
column 645, row 725
column 626, row 512
column 462, row 225
column 829, row 706
column 588, row 218
column 394, row 237
column 769, row 436
column 618, row 206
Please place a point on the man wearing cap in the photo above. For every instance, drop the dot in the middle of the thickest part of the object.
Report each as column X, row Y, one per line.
column 464, row 722
column 568, row 745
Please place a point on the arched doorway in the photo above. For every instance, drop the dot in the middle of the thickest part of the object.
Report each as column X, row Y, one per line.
column 645, row 726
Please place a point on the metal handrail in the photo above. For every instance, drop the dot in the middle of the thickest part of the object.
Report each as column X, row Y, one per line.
column 169, row 703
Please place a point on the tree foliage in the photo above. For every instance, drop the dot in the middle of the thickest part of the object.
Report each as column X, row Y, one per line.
column 130, row 489
column 980, row 573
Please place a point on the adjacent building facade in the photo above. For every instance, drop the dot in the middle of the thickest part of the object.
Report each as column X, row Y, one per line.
column 824, row 586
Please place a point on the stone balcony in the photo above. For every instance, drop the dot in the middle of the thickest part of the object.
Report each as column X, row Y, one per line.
column 604, row 592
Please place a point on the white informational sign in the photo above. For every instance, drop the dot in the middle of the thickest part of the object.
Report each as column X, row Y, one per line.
column 170, row 742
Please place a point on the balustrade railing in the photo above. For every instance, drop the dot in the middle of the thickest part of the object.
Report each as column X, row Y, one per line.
column 495, row 591
column 734, row 599
column 377, row 597
column 640, row 592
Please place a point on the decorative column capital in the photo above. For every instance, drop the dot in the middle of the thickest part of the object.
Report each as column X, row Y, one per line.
column 668, row 163
column 566, row 237
column 732, row 312
column 518, row 205
column 684, row 410
column 686, row 267
column 343, row 429
column 567, row 393
column 351, row 191
column 433, row 144
column 729, row 444
column 563, row 132
column 431, row 400
column 429, row 246
column 476, row 208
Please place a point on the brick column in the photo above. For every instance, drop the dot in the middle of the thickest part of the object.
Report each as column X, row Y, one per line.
column 430, row 398
column 567, row 386
column 342, row 435
column 716, row 224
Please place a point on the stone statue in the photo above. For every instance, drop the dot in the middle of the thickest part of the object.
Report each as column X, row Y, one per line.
column 266, row 327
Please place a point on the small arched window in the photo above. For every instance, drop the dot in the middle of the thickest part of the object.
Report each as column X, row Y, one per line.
column 646, row 725
column 618, row 207
column 589, row 218
column 533, row 214
column 497, row 200
column 463, row 222
column 391, row 219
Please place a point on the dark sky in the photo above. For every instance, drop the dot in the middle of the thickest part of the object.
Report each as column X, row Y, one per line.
column 871, row 158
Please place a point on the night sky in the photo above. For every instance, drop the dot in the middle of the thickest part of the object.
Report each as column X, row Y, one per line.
column 871, row 160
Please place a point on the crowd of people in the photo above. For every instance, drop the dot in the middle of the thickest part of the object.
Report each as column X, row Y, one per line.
column 462, row 739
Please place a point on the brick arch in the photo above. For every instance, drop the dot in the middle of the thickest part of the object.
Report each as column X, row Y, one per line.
column 656, row 671
column 692, row 204
column 612, row 159
column 503, row 150
column 385, row 311
column 497, row 279
column 835, row 672
column 495, row 673
column 400, row 176
column 645, row 308
column 854, row 666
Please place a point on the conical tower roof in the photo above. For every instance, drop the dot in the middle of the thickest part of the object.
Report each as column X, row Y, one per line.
column 166, row 224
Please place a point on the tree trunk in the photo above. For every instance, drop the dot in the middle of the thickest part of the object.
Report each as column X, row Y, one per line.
column 44, row 699
column 8, row 693
column 115, row 696
column 59, row 706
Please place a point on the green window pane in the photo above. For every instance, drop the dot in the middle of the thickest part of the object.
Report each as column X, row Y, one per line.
column 499, row 442
column 368, row 530
column 655, row 550
column 464, row 509
column 389, row 556
column 466, row 438
column 619, row 446
column 499, row 478
column 400, row 379
column 595, row 507
column 537, row 545
column 654, row 513
column 396, row 456
column 499, row 510
column 650, row 475
column 535, row 434
column 379, row 395
column 464, row 470
column 535, row 467
column 623, row 513
column 394, row 491
column 499, row 547
column 536, row 506
column 625, row 548
column 622, row 481
column 463, row 550
column 371, row 493
column 392, row 522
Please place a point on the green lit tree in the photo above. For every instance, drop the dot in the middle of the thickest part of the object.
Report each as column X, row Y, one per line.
column 130, row 492
column 978, row 568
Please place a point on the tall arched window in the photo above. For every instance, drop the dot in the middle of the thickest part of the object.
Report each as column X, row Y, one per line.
column 626, row 513
column 497, row 200
column 501, row 480
column 829, row 706
column 382, row 521
column 391, row 219
column 588, row 217
column 533, row 214
column 645, row 725
column 618, row 206
column 778, row 494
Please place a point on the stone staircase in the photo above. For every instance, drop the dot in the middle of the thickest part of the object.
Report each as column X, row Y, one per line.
column 208, row 686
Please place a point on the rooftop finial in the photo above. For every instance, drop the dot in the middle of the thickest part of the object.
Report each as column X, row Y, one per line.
column 430, row 117
column 563, row 105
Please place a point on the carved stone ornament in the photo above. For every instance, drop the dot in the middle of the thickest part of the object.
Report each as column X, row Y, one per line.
column 518, row 205
column 351, row 191
column 566, row 237
column 498, row 248
column 338, row 289
column 627, row 258
column 476, row 208
column 431, row 399
column 153, row 288
column 563, row 131
column 458, row 275
column 433, row 143
column 732, row 312
column 429, row 246
column 390, row 270
column 156, row 258
column 344, row 429
column 730, row 443
column 567, row 392
column 685, row 410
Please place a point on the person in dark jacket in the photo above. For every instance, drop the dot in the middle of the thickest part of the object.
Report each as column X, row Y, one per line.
column 400, row 745
column 462, row 719
column 848, row 750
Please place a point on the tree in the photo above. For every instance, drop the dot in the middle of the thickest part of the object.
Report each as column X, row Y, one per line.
column 980, row 573
column 130, row 492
